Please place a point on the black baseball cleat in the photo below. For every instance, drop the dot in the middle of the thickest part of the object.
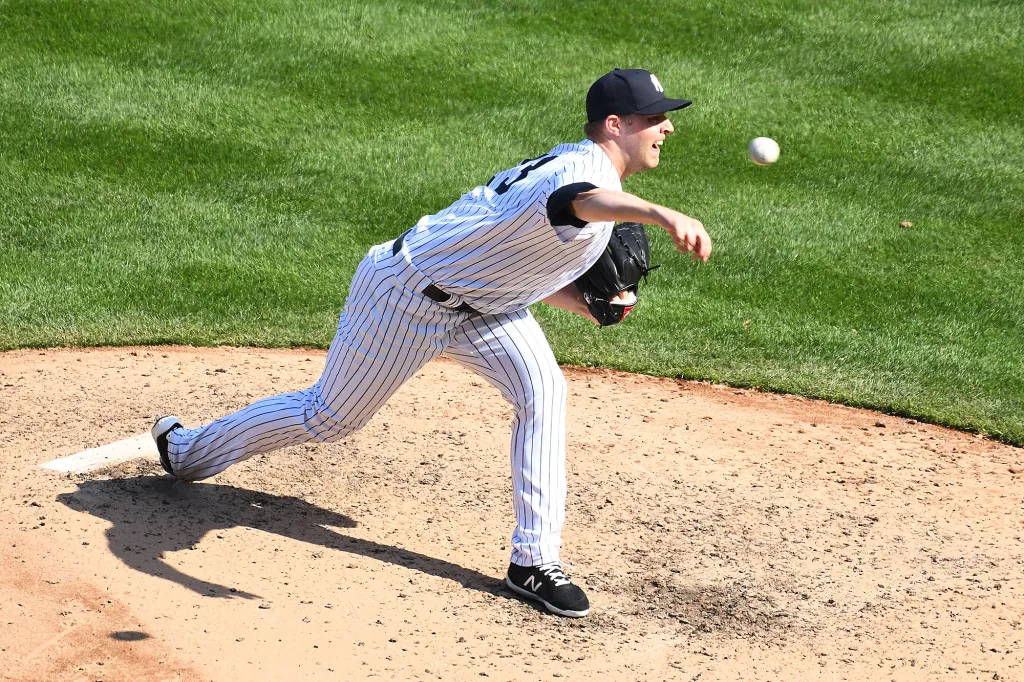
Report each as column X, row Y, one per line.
column 161, row 428
column 548, row 585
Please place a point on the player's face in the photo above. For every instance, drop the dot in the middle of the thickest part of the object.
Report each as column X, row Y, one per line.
column 644, row 135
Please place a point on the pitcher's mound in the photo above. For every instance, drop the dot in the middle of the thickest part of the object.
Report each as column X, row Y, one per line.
column 720, row 534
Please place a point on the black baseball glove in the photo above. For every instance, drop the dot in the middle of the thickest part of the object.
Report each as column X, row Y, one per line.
column 625, row 261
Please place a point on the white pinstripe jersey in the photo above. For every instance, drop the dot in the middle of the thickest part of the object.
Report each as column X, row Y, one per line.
column 496, row 247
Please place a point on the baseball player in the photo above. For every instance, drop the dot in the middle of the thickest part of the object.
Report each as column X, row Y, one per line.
column 459, row 283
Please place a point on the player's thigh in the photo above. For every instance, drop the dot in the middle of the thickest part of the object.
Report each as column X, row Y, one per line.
column 512, row 353
column 385, row 335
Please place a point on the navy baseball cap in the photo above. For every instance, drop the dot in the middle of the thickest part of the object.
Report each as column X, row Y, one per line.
column 629, row 91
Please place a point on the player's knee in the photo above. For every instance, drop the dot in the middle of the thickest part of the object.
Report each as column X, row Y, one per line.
column 332, row 428
column 328, row 425
column 544, row 395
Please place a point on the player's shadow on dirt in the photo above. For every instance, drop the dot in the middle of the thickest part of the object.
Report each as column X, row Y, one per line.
column 151, row 516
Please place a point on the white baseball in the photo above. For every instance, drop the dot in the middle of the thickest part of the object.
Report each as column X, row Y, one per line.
column 763, row 151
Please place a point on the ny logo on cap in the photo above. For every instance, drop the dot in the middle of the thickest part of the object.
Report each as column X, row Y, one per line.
column 657, row 83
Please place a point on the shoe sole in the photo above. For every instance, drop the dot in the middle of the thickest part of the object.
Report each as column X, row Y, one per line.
column 536, row 597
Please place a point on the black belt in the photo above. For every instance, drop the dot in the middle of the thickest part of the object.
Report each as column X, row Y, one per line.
column 431, row 291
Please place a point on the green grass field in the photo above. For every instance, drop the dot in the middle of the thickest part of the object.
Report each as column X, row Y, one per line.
column 211, row 172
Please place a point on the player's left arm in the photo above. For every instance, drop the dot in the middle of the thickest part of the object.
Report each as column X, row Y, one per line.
column 569, row 298
column 600, row 205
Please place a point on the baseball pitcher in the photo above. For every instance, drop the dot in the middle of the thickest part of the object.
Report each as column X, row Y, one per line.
column 459, row 283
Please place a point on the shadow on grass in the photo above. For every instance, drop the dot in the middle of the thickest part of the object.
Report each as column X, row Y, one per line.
column 151, row 515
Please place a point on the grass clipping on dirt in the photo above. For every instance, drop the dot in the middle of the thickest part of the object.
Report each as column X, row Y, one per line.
column 212, row 174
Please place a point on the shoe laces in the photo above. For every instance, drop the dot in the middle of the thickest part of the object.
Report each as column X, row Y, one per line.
column 554, row 573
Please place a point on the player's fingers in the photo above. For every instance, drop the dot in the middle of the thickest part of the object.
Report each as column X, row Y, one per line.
column 694, row 235
column 699, row 241
column 694, row 239
column 697, row 247
column 704, row 248
column 697, row 250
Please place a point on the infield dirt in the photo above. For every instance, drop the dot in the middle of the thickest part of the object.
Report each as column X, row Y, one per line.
column 720, row 534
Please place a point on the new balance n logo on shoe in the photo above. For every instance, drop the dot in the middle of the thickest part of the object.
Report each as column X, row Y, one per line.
column 532, row 583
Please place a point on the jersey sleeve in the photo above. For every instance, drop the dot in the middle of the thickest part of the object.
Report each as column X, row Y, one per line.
column 580, row 174
column 559, row 205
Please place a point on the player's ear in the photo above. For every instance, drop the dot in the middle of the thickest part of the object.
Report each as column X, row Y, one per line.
column 613, row 125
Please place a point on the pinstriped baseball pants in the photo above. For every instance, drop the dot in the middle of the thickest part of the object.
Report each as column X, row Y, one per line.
column 387, row 332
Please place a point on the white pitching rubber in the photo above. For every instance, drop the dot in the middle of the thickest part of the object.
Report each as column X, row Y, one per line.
column 106, row 455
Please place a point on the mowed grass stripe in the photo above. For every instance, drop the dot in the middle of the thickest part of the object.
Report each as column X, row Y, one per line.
column 211, row 172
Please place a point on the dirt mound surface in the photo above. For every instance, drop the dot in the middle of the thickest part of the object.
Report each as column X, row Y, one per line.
column 720, row 534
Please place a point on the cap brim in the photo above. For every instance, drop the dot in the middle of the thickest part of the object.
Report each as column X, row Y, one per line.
column 661, row 106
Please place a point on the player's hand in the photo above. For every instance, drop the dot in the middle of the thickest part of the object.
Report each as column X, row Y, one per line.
column 687, row 234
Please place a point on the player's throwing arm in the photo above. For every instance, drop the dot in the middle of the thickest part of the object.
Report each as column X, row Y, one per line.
column 687, row 234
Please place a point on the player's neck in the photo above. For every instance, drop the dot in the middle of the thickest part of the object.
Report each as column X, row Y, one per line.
column 614, row 155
